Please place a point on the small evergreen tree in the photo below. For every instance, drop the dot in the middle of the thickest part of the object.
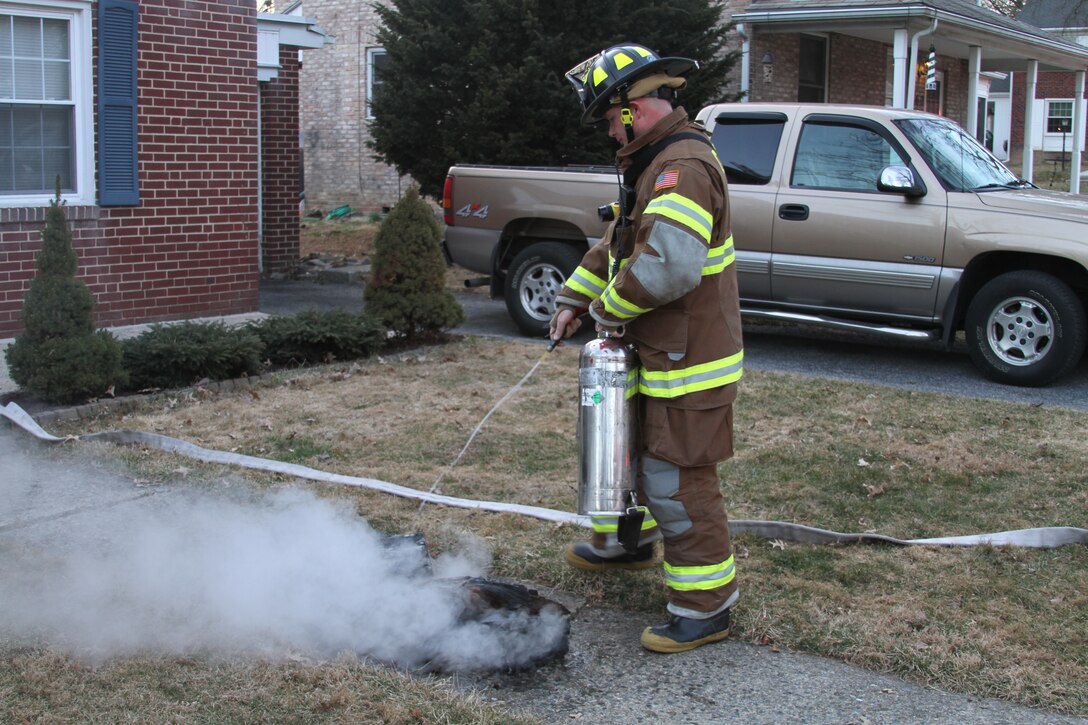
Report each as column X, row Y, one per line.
column 59, row 356
column 406, row 291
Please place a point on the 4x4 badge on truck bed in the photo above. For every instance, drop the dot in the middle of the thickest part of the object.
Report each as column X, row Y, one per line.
column 480, row 212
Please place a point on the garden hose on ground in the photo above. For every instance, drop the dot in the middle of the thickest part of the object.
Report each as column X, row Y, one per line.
column 1041, row 538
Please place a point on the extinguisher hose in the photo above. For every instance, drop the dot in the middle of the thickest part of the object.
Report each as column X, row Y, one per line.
column 1044, row 538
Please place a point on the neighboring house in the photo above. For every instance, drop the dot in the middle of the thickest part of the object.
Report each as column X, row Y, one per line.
column 174, row 150
column 876, row 52
column 831, row 51
column 1056, row 91
column 336, row 87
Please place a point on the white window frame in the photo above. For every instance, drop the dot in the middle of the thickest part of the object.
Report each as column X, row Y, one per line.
column 370, row 54
column 78, row 14
column 1046, row 116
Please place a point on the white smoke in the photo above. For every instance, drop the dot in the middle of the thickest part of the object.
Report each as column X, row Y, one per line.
column 88, row 568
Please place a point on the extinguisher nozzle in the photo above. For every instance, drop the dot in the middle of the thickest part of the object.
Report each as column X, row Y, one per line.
column 553, row 344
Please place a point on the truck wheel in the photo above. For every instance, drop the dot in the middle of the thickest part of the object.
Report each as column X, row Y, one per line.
column 535, row 278
column 1025, row 328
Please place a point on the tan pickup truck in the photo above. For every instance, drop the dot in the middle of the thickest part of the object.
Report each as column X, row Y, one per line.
column 858, row 217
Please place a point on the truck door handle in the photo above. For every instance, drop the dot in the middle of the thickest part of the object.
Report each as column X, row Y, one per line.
column 793, row 212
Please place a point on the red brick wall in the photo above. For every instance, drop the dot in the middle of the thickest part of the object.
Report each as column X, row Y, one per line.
column 856, row 74
column 1049, row 84
column 858, row 70
column 189, row 248
column 281, row 160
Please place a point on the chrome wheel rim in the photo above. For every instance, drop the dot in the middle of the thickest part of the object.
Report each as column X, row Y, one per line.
column 1020, row 331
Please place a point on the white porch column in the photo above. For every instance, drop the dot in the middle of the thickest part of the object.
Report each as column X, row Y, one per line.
column 974, row 66
column 1078, row 131
column 899, row 69
column 1029, row 117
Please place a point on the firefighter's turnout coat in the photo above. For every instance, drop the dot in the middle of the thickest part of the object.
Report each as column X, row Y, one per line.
column 669, row 277
column 675, row 290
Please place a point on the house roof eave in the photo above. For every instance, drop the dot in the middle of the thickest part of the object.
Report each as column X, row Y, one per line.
column 295, row 30
column 1050, row 50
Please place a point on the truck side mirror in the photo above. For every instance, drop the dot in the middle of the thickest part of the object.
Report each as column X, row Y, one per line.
column 900, row 180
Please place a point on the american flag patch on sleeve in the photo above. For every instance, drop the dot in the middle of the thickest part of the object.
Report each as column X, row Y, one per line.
column 667, row 180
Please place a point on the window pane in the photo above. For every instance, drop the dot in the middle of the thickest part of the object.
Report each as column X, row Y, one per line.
column 55, row 127
column 747, row 148
column 28, row 169
column 28, row 79
column 6, row 181
column 55, row 162
column 5, row 36
column 55, row 39
column 841, row 157
column 55, row 76
column 27, row 124
column 35, row 148
column 28, row 37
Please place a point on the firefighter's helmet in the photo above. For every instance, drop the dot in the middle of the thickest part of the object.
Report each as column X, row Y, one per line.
column 622, row 73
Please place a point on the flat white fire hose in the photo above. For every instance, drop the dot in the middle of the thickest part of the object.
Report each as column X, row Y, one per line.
column 1039, row 538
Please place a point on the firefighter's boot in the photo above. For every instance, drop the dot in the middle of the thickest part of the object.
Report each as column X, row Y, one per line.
column 680, row 634
column 583, row 556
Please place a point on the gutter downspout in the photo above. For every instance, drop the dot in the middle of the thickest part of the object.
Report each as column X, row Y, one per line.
column 1078, row 131
column 745, row 55
column 914, row 62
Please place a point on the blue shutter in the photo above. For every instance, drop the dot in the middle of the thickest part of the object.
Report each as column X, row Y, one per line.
column 118, row 182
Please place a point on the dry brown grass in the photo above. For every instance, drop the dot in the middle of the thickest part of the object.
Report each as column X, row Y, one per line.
column 339, row 237
column 999, row 622
column 46, row 687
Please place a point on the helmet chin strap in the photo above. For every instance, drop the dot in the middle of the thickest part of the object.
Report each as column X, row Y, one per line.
column 626, row 117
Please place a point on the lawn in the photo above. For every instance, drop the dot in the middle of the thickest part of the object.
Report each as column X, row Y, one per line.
column 996, row 622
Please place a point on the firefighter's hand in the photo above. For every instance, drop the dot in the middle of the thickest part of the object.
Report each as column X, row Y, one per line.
column 564, row 323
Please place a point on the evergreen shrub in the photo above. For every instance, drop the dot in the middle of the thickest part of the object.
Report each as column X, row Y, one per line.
column 317, row 336
column 177, row 355
column 60, row 356
column 406, row 291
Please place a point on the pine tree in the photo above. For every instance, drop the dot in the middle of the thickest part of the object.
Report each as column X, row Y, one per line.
column 406, row 291
column 59, row 355
column 482, row 81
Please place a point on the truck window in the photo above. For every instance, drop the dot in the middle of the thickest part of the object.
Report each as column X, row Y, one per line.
column 959, row 160
column 747, row 146
column 837, row 156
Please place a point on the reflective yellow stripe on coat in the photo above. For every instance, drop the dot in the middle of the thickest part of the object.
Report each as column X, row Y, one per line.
column 683, row 210
column 674, row 383
column 585, row 282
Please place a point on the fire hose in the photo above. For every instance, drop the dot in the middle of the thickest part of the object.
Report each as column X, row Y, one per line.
column 1043, row 538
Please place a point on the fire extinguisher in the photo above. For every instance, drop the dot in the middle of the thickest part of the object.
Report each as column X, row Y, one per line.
column 608, row 435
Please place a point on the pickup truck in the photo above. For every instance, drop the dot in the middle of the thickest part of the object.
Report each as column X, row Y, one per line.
column 885, row 220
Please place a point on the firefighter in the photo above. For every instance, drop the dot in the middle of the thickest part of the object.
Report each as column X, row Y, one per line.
column 664, row 279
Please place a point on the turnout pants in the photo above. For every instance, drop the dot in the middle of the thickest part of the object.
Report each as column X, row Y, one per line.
column 686, row 508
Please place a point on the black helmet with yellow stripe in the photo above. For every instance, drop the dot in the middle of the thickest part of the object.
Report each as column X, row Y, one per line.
column 622, row 73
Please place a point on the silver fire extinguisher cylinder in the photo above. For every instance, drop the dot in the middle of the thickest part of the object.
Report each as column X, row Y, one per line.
column 607, row 426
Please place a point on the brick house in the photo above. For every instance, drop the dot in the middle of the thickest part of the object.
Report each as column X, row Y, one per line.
column 177, row 150
column 1056, row 91
column 336, row 85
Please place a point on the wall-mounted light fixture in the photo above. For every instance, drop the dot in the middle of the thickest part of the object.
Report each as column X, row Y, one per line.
column 768, row 68
column 768, row 58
